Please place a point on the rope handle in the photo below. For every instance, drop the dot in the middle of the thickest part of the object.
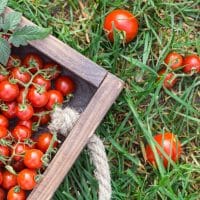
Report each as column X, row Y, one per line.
column 63, row 120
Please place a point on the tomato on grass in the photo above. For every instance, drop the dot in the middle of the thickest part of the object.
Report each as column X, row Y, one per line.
column 121, row 20
column 169, row 143
column 26, row 179
column 169, row 79
column 174, row 60
column 191, row 63
column 15, row 193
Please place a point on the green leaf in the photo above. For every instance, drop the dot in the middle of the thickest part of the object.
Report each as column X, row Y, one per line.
column 3, row 4
column 22, row 35
column 11, row 21
column 5, row 51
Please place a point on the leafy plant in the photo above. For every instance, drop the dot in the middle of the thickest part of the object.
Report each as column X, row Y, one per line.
column 13, row 34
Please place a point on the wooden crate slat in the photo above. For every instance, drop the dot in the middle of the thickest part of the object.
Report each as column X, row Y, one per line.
column 78, row 137
column 68, row 57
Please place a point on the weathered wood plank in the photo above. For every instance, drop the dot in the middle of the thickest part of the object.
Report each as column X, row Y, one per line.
column 67, row 57
column 77, row 139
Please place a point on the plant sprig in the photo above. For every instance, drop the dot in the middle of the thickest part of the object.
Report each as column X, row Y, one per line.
column 13, row 34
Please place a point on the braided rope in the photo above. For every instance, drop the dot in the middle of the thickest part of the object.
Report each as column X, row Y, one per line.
column 63, row 121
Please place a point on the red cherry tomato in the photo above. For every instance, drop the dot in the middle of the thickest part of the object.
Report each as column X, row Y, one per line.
column 34, row 61
column 21, row 133
column 4, row 152
column 37, row 98
column 19, row 150
column 121, row 20
column 11, row 110
column 24, row 112
column 169, row 80
column 3, row 132
column 40, row 80
column 43, row 118
column 33, row 159
column 44, row 140
column 8, row 91
column 15, row 193
column 9, row 180
column 191, row 63
column 174, row 60
column 170, row 145
column 26, row 123
column 26, row 179
column 65, row 85
column 14, row 61
column 20, row 75
column 3, row 121
column 55, row 98
column 54, row 68
column 2, row 194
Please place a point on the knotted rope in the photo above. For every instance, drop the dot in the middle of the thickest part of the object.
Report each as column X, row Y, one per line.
column 63, row 121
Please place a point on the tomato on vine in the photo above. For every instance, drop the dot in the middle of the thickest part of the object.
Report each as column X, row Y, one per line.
column 15, row 193
column 21, row 133
column 4, row 153
column 54, row 70
column 9, row 180
column 55, row 98
column 41, row 81
column 10, row 110
column 21, row 75
column 3, row 121
column 14, row 61
column 19, row 150
column 24, row 111
column 26, row 179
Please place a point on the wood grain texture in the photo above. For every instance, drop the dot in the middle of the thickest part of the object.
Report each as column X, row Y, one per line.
column 68, row 57
column 78, row 138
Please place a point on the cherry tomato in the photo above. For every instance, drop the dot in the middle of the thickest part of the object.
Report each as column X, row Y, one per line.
column 169, row 80
column 26, row 179
column 43, row 118
column 55, row 98
column 170, row 145
column 18, row 165
column 2, row 194
column 20, row 75
column 15, row 193
column 174, row 60
column 34, row 61
column 26, row 123
column 65, row 85
column 121, row 20
column 9, row 180
column 191, row 63
column 14, row 61
column 24, row 112
column 3, row 76
column 44, row 140
column 4, row 152
column 33, row 159
column 3, row 132
column 37, row 98
column 54, row 68
column 3, row 121
column 21, row 133
column 19, row 150
column 40, row 80
column 8, row 91
column 11, row 110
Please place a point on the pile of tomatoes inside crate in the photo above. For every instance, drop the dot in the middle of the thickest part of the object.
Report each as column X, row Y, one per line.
column 29, row 92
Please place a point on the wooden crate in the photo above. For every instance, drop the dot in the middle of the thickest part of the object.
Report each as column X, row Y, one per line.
column 96, row 91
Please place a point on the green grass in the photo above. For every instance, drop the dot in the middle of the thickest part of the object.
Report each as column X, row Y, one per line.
column 144, row 108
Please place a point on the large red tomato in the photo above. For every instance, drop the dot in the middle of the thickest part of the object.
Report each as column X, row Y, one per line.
column 8, row 91
column 26, row 179
column 121, row 20
column 4, row 152
column 169, row 144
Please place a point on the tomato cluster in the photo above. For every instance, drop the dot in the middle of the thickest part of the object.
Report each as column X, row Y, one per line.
column 189, row 64
column 29, row 92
